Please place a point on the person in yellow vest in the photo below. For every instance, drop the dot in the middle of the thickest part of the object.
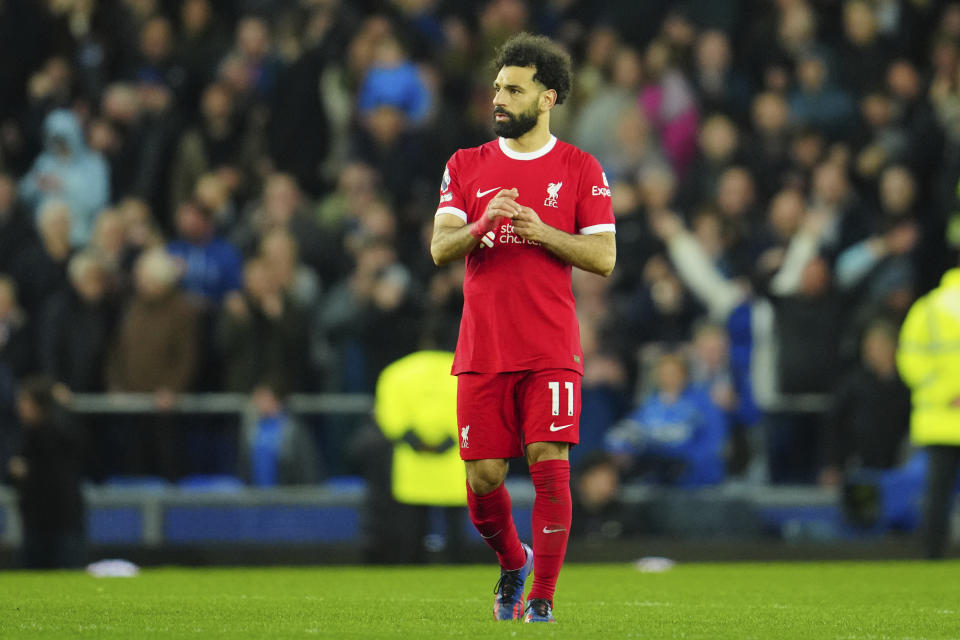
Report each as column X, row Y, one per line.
column 929, row 362
column 416, row 409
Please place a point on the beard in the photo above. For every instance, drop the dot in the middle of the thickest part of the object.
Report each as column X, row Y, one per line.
column 515, row 125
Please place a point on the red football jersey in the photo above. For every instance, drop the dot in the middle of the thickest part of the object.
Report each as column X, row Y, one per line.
column 519, row 313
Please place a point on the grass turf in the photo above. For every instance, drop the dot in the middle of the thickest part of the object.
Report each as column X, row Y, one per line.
column 777, row 600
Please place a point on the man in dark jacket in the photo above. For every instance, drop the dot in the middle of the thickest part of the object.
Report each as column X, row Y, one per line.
column 262, row 334
column 47, row 478
column 868, row 423
column 76, row 325
column 15, row 228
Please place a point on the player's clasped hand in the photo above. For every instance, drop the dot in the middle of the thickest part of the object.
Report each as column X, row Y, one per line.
column 502, row 205
column 528, row 225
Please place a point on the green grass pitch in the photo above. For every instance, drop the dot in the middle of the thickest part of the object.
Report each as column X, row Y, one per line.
column 845, row 601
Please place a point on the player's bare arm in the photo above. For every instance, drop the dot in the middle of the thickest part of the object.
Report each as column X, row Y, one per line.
column 453, row 238
column 596, row 253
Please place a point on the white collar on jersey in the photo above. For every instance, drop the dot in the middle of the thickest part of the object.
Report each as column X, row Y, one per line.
column 528, row 155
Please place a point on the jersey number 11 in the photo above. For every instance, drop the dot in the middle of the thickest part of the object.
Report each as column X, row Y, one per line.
column 555, row 397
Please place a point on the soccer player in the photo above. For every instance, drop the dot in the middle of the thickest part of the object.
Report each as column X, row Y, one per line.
column 522, row 209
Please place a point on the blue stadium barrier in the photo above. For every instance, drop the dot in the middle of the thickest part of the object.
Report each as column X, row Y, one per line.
column 115, row 525
column 261, row 524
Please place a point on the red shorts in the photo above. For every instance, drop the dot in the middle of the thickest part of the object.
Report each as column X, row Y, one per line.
column 500, row 413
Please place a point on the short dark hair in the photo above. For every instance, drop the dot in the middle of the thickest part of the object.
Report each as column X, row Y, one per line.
column 552, row 63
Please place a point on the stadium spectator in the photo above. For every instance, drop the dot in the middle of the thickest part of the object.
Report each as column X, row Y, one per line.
column 599, row 514
column 371, row 318
column 253, row 53
column 882, row 140
column 15, row 361
column 46, row 476
column 392, row 79
column 767, row 145
column 817, row 102
column 50, row 87
column 612, row 126
column 15, row 343
column 867, row 424
column 712, row 372
column 70, row 172
column 77, row 325
column 140, row 232
column 213, row 192
column 669, row 103
column 720, row 86
column 209, row 266
column 596, row 70
column 275, row 449
column 221, row 142
column 606, row 385
column 303, row 134
column 134, row 133
column 40, row 267
column 16, row 231
column 201, row 44
column 717, row 147
column 916, row 116
column 261, row 334
column 282, row 207
column 832, row 196
column 807, row 325
column 676, row 436
column 633, row 202
column 864, row 53
column 156, row 351
column 386, row 140
column 281, row 255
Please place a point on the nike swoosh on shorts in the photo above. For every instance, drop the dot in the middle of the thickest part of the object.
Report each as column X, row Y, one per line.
column 563, row 426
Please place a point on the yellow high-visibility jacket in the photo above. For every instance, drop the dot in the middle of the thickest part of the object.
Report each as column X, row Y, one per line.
column 416, row 404
column 929, row 362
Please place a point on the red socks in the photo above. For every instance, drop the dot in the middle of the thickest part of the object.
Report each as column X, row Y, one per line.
column 552, row 514
column 492, row 517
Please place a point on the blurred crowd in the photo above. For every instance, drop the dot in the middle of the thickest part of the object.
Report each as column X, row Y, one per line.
column 238, row 195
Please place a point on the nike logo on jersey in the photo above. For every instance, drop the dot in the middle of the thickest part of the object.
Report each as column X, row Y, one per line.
column 480, row 194
column 545, row 530
column 563, row 426
column 491, row 535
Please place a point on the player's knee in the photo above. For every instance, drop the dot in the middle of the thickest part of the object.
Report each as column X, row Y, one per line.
column 483, row 486
column 540, row 451
column 484, row 476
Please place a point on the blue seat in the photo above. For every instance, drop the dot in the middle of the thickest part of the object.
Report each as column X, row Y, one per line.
column 346, row 484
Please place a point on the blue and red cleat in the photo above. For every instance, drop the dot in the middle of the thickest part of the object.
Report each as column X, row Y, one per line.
column 539, row 610
column 508, row 600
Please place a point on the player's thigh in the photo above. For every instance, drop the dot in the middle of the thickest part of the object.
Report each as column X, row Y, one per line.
column 487, row 416
column 549, row 404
